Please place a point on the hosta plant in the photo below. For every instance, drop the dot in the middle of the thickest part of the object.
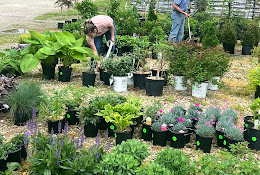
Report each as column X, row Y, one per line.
column 120, row 115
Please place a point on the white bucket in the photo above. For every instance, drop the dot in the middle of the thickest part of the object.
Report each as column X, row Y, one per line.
column 120, row 84
column 212, row 86
column 178, row 83
column 199, row 90
column 130, row 79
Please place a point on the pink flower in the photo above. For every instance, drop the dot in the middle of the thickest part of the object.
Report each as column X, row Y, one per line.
column 195, row 118
column 5, row 106
column 242, row 119
column 189, row 99
column 206, row 123
column 161, row 111
column 181, row 98
column 201, row 98
column 173, row 101
column 197, row 104
column 241, row 130
column 213, row 122
column 181, row 120
column 172, row 110
column 164, row 103
column 225, row 100
column 210, row 126
column 156, row 114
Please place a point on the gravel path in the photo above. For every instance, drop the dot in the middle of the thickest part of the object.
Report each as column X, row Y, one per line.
column 21, row 13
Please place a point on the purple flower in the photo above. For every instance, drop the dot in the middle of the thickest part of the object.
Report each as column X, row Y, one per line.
column 77, row 143
column 28, row 133
column 66, row 127
column 97, row 138
column 98, row 155
column 52, row 131
column 58, row 153
column 106, row 134
column 51, row 141
column 72, row 138
column 35, row 128
column 108, row 146
column 61, row 142
column 82, row 140
column 59, row 127
column 33, row 112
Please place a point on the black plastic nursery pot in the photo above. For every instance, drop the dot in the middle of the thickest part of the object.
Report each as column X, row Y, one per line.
column 122, row 136
column 53, row 125
column 162, row 74
column 254, row 138
column 247, row 124
column 229, row 48
column 15, row 156
column 90, row 130
column 60, row 25
column 48, row 71
column 101, row 74
column 20, row 118
column 74, row 20
column 257, row 92
column 139, row 119
column 159, row 137
column 154, row 87
column 106, row 77
column 69, row 22
column 88, row 79
column 132, row 126
column 140, row 80
column 146, row 132
column 246, row 49
column 124, row 49
column 204, row 143
column 220, row 138
column 102, row 124
column 71, row 117
column 23, row 152
column 3, row 163
column 178, row 140
column 64, row 74
column 111, row 128
column 227, row 141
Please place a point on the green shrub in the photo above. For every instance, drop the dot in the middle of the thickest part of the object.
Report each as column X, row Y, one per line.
column 151, row 15
column 174, row 160
column 250, row 34
column 117, row 164
column 75, row 28
column 157, row 35
column 87, row 9
column 113, row 7
column 153, row 169
column 134, row 148
column 209, row 35
column 228, row 33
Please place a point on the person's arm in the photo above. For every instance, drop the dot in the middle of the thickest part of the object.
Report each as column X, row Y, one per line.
column 177, row 8
column 91, row 44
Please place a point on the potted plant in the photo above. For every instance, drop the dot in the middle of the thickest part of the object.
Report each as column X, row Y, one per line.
column 89, row 76
column 22, row 101
column 154, row 85
column 178, row 131
column 159, row 130
column 218, row 65
column 10, row 61
column 121, row 116
column 254, row 81
column 125, row 44
column 233, row 135
column 254, row 131
column 119, row 69
column 256, row 52
column 249, row 37
column 228, row 36
column 151, row 114
column 3, row 154
column 156, row 36
column 107, row 64
column 209, row 37
column 204, row 136
column 53, row 111
column 7, row 85
column 18, row 141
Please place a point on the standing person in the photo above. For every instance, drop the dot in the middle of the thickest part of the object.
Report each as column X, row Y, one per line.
column 179, row 13
column 95, row 28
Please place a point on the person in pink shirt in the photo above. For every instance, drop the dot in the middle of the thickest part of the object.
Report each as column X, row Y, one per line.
column 95, row 28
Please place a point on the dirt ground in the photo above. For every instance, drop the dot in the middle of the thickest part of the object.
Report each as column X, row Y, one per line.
column 21, row 13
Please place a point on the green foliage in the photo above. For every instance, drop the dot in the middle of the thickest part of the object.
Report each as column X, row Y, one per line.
column 11, row 167
column 256, row 52
column 17, row 140
column 153, row 169
column 88, row 112
column 168, row 119
column 127, row 21
column 255, row 107
column 157, row 126
column 206, row 130
column 120, row 66
column 75, row 28
column 213, row 113
column 153, row 109
column 10, row 61
column 194, row 28
column 117, row 164
column 120, row 115
column 113, row 8
column 228, row 33
column 134, row 148
column 193, row 112
column 87, row 9
column 27, row 96
column 125, row 40
column 209, row 35
column 201, row 5
column 250, row 34
column 178, row 127
column 174, row 160
column 151, row 15
column 239, row 149
column 231, row 114
column 254, row 78
column 234, row 133
column 157, row 35
column 146, row 27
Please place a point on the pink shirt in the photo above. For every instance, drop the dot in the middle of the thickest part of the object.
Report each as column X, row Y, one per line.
column 103, row 23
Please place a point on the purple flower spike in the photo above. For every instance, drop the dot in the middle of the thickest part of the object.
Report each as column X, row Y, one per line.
column 77, row 143
column 33, row 112
column 108, row 146
column 98, row 155
column 59, row 127
column 72, row 138
column 66, row 128
column 52, row 131
column 97, row 138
